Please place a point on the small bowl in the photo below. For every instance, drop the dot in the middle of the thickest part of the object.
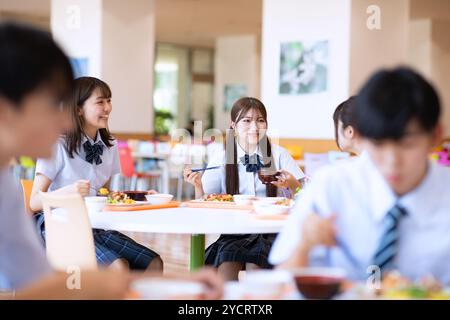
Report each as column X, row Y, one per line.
column 270, row 200
column 95, row 204
column 319, row 283
column 136, row 195
column 160, row 289
column 264, row 208
column 268, row 175
column 159, row 198
column 243, row 199
column 259, row 285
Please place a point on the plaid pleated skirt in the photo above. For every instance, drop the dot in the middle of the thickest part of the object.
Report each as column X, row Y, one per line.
column 244, row 248
column 112, row 245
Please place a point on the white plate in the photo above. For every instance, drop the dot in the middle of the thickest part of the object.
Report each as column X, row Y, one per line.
column 243, row 199
column 136, row 203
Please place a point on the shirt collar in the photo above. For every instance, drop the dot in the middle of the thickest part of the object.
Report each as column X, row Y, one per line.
column 98, row 138
column 424, row 197
column 383, row 198
column 241, row 152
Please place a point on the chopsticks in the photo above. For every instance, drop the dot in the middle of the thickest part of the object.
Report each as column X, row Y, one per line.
column 204, row 169
column 348, row 254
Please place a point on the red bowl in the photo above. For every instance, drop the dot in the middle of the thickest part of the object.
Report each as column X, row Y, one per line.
column 320, row 283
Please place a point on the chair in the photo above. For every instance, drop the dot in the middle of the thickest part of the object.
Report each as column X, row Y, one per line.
column 314, row 161
column 68, row 232
column 177, row 160
column 27, row 186
column 335, row 156
column 128, row 168
column 294, row 150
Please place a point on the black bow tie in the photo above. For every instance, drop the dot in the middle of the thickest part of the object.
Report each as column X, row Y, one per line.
column 252, row 163
column 93, row 152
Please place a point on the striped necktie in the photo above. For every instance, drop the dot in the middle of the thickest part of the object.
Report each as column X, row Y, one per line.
column 387, row 249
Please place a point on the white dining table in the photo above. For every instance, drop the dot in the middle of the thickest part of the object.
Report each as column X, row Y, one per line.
column 185, row 220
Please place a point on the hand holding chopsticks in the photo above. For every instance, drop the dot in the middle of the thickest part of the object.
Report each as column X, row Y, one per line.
column 204, row 169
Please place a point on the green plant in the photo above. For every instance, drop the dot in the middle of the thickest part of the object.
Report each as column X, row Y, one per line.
column 210, row 117
column 163, row 122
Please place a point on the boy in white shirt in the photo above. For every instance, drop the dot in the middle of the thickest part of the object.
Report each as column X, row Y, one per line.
column 35, row 76
column 388, row 209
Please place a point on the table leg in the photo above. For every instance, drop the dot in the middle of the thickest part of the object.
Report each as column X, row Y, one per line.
column 197, row 251
column 165, row 175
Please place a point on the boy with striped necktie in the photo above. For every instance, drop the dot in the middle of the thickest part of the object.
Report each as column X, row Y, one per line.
column 389, row 208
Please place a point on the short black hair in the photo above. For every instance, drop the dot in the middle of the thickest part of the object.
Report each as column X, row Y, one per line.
column 345, row 112
column 29, row 59
column 390, row 99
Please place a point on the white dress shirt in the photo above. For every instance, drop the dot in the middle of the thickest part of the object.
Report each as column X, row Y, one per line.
column 360, row 197
column 214, row 180
column 22, row 256
column 63, row 170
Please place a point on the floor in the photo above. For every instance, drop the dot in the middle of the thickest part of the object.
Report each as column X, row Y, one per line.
column 173, row 248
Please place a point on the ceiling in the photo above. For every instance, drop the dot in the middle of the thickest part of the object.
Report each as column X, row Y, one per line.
column 40, row 8
column 184, row 22
column 200, row 22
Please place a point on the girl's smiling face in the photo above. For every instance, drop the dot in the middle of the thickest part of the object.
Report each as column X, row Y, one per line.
column 250, row 128
column 96, row 110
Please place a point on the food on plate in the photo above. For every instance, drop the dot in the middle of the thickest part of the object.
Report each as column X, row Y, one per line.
column 103, row 192
column 219, row 197
column 136, row 195
column 119, row 198
column 396, row 286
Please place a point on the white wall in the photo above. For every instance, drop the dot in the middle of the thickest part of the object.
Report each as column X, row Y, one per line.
column 128, row 38
column 305, row 116
column 440, row 67
column 235, row 63
column 76, row 26
column 372, row 49
column 118, row 40
column 419, row 52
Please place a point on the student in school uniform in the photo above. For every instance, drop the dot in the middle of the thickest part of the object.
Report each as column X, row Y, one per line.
column 35, row 75
column 389, row 208
column 247, row 150
column 31, row 88
column 83, row 161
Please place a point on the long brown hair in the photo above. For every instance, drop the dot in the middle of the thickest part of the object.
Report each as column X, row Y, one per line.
column 82, row 90
column 238, row 111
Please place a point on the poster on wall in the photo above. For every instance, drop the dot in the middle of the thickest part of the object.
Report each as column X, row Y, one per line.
column 79, row 67
column 303, row 67
column 233, row 92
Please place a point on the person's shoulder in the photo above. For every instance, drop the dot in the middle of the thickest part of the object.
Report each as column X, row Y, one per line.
column 59, row 148
column 113, row 143
column 441, row 173
column 279, row 151
column 343, row 172
column 218, row 156
column 278, row 148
